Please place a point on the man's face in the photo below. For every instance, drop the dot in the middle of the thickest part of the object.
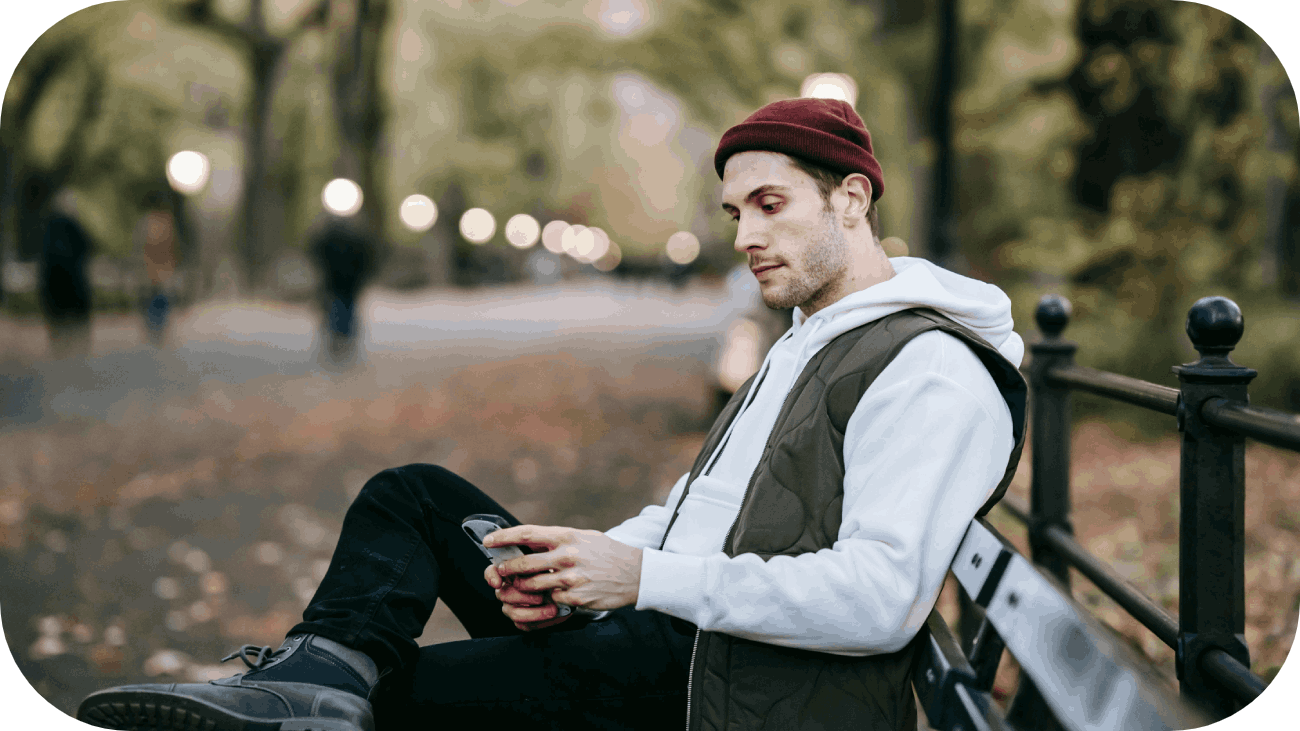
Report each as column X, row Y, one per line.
column 796, row 247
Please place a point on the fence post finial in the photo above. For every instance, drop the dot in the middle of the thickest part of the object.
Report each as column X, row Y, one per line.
column 1052, row 315
column 1215, row 326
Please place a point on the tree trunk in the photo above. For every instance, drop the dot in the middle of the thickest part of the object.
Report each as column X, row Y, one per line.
column 261, row 208
column 359, row 111
column 943, row 223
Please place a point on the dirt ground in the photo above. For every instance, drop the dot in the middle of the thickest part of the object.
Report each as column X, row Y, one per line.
column 148, row 548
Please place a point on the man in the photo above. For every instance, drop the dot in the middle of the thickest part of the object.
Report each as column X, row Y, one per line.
column 155, row 239
column 345, row 257
column 781, row 585
column 65, row 293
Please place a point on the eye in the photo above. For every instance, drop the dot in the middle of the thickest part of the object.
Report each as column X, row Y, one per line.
column 770, row 204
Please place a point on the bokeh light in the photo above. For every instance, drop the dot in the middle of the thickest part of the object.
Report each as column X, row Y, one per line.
column 610, row 261
column 741, row 355
column 574, row 237
column 552, row 236
column 621, row 17
column 683, row 247
column 894, row 246
column 187, row 171
column 342, row 197
column 830, row 86
column 522, row 230
column 600, row 245
column 478, row 225
column 418, row 212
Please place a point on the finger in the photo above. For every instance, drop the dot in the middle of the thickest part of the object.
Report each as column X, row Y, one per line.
column 530, row 614
column 530, row 626
column 535, row 563
column 491, row 576
column 533, row 536
column 511, row 595
column 545, row 581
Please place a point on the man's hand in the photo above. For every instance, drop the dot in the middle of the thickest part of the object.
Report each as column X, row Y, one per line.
column 581, row 568
column 528, row 610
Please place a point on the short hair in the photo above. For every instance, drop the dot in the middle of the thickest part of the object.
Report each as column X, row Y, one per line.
column 827, row 181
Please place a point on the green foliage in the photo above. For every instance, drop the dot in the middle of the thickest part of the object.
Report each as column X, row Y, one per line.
column 112, row 101
column 1129, row 171
column 501, row 88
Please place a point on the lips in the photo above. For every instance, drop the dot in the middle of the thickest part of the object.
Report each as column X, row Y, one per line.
column 763, row 268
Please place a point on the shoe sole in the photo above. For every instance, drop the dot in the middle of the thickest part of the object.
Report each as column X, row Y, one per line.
column 144, row 711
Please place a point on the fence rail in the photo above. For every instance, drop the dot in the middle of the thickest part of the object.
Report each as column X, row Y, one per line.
column 1214, row 416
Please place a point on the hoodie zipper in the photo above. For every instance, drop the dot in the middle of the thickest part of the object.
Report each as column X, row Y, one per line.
column 690, row 678
column 690, row 675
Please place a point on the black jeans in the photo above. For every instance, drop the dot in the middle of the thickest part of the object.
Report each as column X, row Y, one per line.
column 401, row 549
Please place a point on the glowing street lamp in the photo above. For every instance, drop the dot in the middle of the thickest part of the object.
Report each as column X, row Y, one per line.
column 552, row 236
column 477, row 225
column 522, row 231
column 342, row 197
column 830, row 86
column 682, row 248
column 575, row 238
column 418, row 212
column 188, row 171
column 610, row 260
column 600, row 245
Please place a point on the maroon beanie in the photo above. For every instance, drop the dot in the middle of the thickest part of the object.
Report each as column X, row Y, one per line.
column 826, row 132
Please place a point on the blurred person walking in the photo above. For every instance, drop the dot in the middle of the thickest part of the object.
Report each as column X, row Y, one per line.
column 782, row 584
column 346, row 257
column 64, row 288
column 156, row 239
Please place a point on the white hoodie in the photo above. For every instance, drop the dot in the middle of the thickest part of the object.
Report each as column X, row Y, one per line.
column 923, row 450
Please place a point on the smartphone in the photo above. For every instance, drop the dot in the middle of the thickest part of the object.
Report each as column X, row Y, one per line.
column 479, row 525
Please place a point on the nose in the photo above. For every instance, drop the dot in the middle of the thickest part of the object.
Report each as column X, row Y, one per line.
column 749, row 235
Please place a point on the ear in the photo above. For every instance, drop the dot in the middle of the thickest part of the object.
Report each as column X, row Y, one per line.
column 856, row 188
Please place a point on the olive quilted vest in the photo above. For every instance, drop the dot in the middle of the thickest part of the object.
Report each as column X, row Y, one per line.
column 793, row 505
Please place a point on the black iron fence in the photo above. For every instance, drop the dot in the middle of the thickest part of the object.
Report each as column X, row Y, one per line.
column 1214, row 416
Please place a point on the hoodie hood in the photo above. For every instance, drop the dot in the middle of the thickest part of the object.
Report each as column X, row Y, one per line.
column 982, row 307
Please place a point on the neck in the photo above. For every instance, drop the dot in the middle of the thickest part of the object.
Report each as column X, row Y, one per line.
column 870, row 266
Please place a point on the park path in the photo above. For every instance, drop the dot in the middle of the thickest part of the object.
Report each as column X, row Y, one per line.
column 430, row 332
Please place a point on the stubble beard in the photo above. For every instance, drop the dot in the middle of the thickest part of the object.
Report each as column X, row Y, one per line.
column 820, row 265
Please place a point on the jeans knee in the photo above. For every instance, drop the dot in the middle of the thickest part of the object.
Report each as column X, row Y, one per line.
column 442, row 491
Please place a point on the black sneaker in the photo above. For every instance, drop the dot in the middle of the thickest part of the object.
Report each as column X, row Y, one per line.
column 308, row 684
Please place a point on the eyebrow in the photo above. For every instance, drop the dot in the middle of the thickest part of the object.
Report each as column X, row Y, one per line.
column 760, row 190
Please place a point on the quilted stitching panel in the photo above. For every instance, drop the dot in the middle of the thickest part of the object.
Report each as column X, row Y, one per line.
column 748, row 685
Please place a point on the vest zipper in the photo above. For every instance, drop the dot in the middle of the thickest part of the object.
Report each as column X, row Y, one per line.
column 690, row 678
column 690, row 674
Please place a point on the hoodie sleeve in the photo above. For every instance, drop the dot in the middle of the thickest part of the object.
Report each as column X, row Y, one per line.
column 923, row 449
column 647, row 528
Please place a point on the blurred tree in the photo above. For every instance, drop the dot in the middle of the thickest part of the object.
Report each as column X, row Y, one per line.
column 1128, row 168
column 57, row 81
column 560, row 110
column 96, row 106
column 359, row 106
column 244, row 27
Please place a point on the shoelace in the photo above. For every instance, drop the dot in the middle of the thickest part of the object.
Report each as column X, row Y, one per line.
column 264, row 653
